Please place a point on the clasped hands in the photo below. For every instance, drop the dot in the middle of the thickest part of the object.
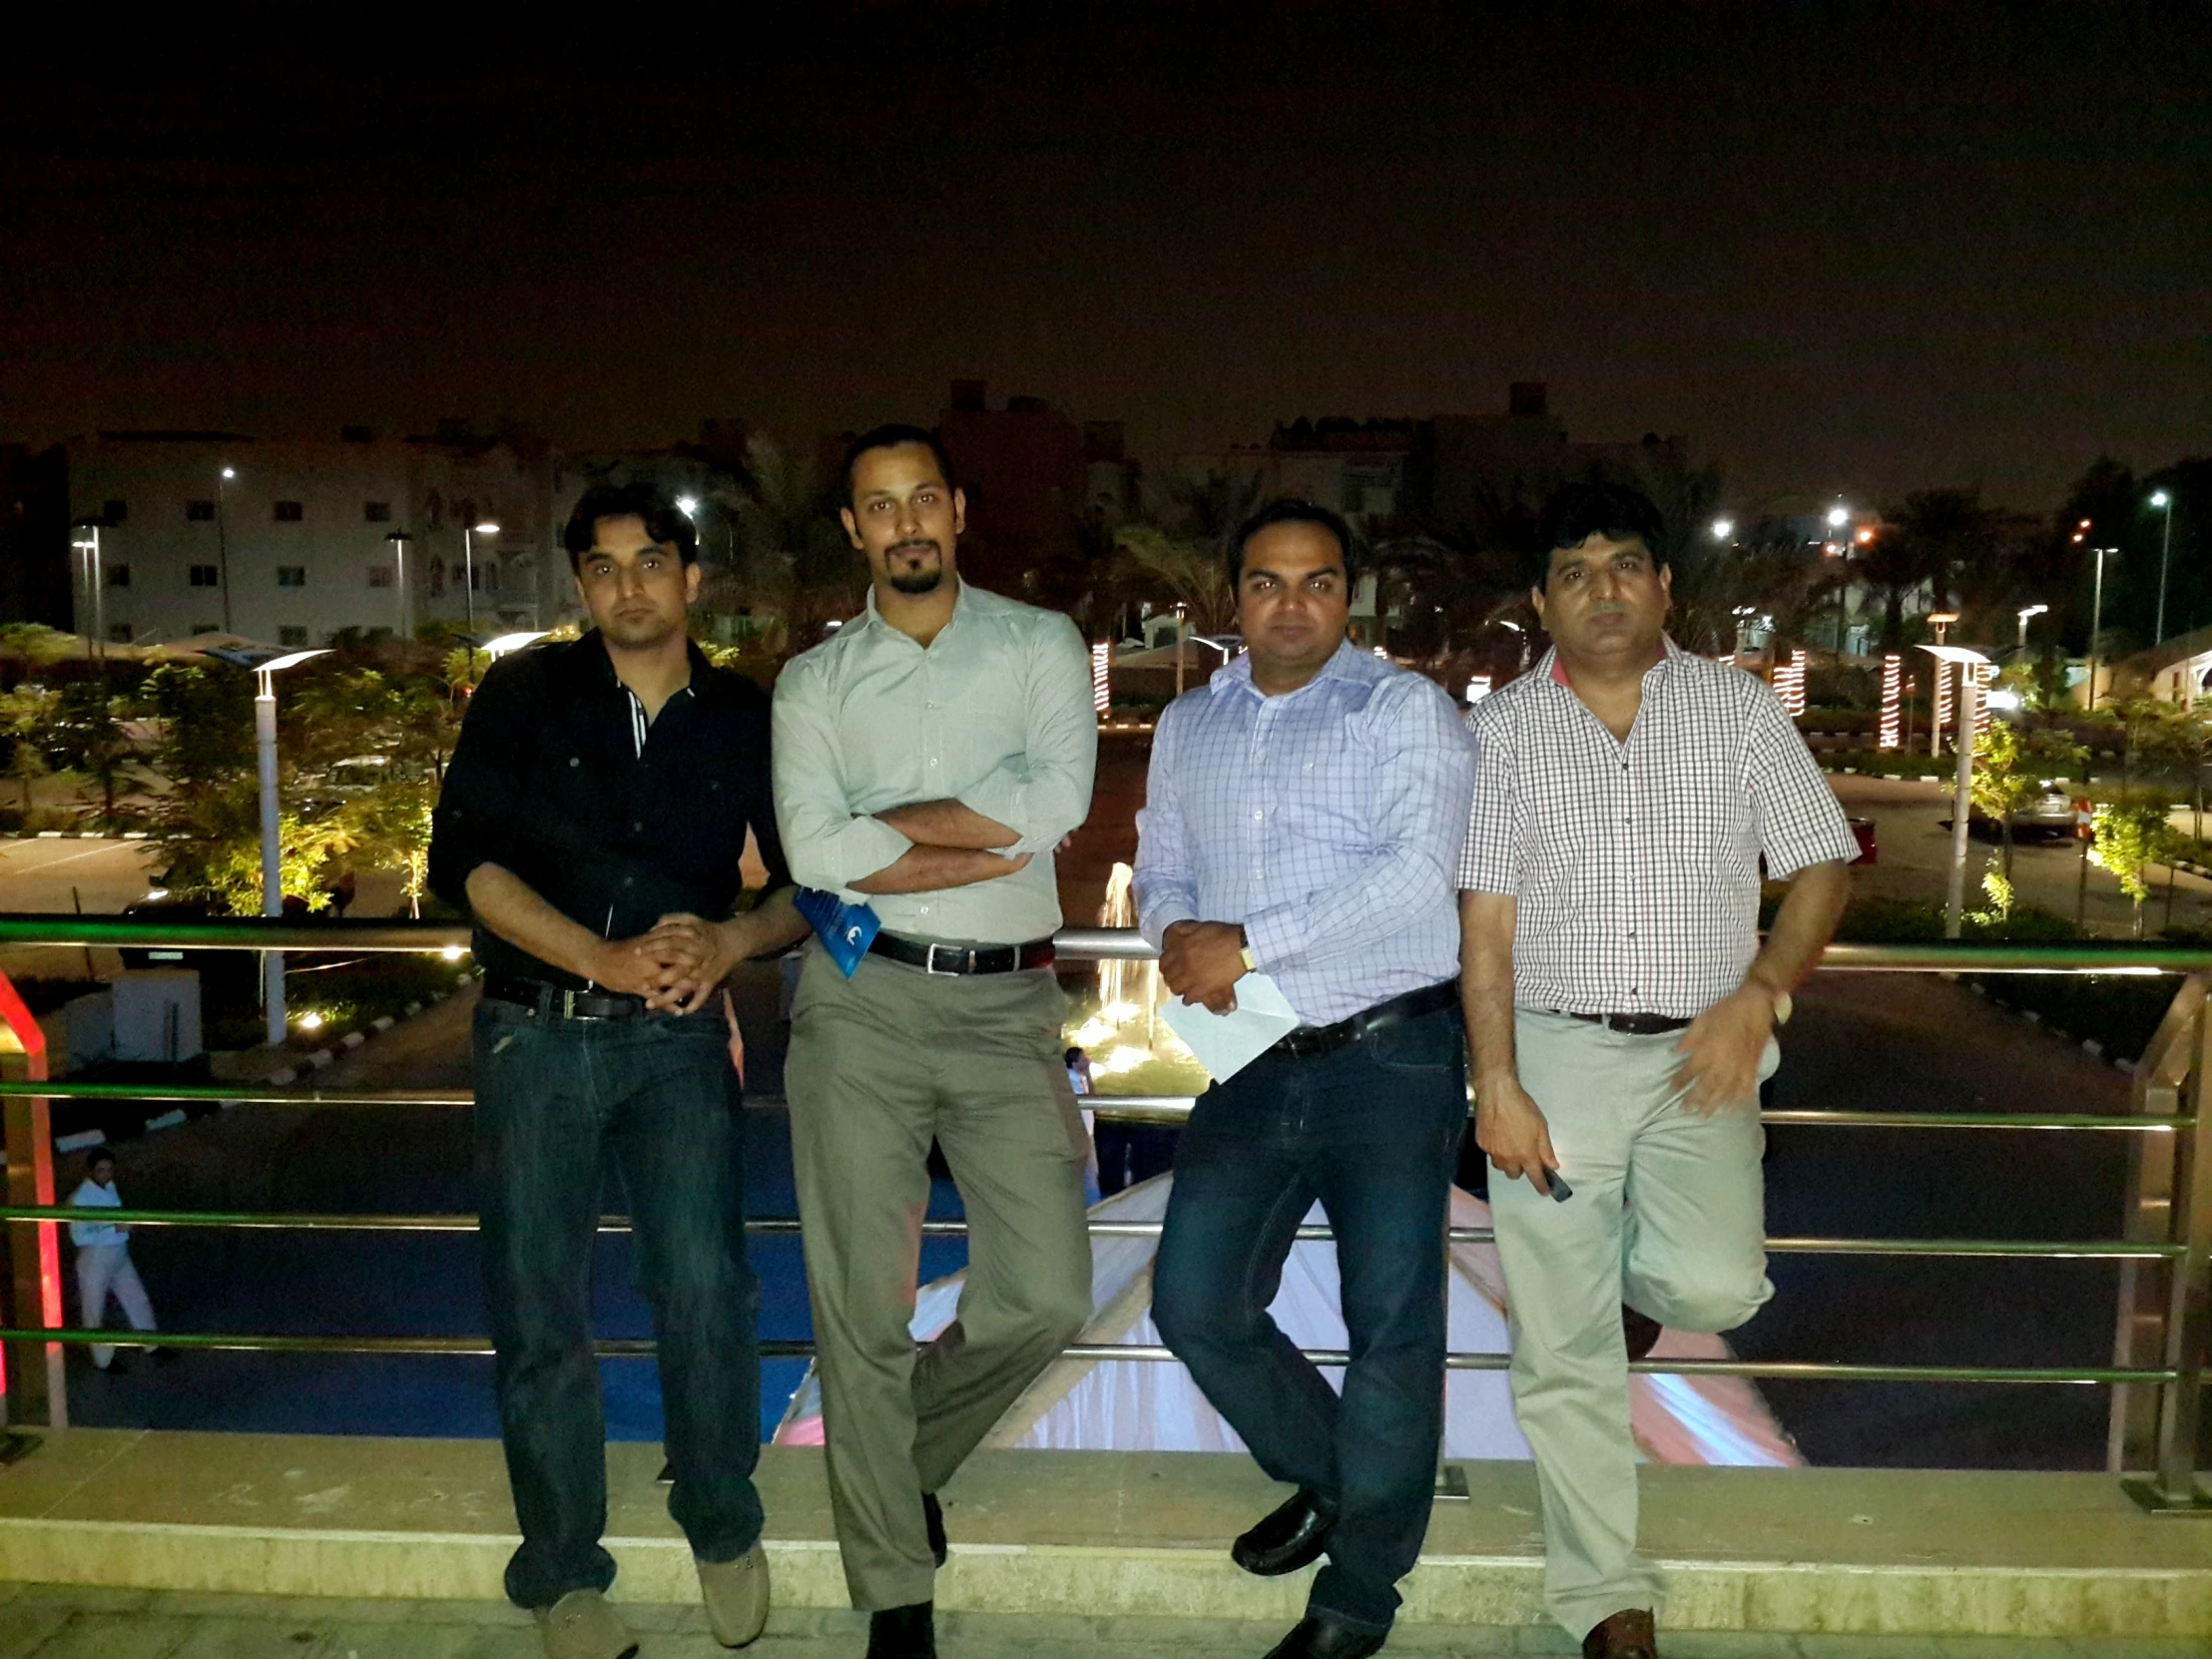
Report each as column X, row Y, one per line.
column 1200, row 962
column 677, row 964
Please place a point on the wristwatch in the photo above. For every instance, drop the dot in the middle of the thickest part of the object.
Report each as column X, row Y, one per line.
column 1251, row 962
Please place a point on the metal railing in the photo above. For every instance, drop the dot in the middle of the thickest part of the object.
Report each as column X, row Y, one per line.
column 2164, row 1256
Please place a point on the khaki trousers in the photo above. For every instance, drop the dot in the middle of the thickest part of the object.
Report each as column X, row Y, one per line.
column 1669, row 1216
column 878, row 1064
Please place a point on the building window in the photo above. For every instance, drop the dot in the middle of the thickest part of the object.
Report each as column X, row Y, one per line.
column 376, row 512
column 379, row 576
column 291, row 576
column 291, row 636
column 199, row 512
column 116, row 576
column 119, row 633
column 204, row 576
column 115, row 512
column 290, row 512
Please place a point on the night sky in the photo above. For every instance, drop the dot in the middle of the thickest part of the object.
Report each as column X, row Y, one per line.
column 1840, row 250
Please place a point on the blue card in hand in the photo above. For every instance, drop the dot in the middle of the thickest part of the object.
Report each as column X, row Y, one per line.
column 846, row 930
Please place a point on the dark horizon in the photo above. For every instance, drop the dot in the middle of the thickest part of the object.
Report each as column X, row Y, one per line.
column 1855, row 251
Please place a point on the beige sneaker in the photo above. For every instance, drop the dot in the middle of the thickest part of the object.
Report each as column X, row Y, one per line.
column 582, row 1626
column 736, row 1593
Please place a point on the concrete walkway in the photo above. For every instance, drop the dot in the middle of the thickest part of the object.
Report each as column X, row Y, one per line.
column 72, row 1622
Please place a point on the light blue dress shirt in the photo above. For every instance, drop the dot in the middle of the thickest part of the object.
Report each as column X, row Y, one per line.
column 1328, row 822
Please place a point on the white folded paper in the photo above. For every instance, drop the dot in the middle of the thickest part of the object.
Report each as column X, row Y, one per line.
column 1226, row 1043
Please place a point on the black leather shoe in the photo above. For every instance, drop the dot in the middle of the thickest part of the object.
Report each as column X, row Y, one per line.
column 1287, row 1539
column 1639, row 1331
column 932, row 1516
column 902, row 1633
column 1318, row 1636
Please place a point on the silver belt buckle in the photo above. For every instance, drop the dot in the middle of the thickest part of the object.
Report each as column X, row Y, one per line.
column 929, row 959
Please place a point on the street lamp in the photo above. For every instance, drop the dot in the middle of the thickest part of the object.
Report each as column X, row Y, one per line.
column 1723, row 528
column 1839, row 516
column 2025, row 614
column 223, row 542
column 89, row 546
column 1969, row 664
column 1938, row 705
column 399, row 540
column 498, row 648
column 2097, row 620
column 2165, row 500
column 469, row 533
column 265, row 670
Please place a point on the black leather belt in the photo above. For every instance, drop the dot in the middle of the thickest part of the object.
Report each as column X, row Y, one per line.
column 1327, row 1039
column 932, row 957
column 1632, row 1026
column 549, row 1001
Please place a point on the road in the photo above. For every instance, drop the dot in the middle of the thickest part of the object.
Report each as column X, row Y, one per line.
column 1914, row 863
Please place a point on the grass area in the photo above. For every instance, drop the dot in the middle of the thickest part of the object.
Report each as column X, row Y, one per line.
column 349, row 993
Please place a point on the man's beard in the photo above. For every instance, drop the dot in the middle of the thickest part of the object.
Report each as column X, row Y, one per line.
column 918, row 581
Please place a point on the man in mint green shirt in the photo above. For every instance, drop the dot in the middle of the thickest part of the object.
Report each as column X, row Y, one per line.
column 928, row 758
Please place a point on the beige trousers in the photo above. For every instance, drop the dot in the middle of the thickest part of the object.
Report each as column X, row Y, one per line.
column 1669, row 1216
column 878, row 1064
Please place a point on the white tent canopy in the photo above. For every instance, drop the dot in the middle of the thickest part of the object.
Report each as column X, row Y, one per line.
column 1145, row 1405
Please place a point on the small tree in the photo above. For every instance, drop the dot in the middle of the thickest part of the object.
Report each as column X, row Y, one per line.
column 2009, row 766
column 2127, row 840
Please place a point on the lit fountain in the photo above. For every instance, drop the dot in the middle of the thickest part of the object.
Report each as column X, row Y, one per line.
column 1125, row 1032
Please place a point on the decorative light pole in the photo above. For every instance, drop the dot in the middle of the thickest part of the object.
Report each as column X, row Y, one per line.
column 223, row 542
column 2163, row 499
column 1970, row 663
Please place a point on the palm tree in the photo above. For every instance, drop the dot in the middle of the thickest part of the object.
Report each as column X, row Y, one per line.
column 793, row 558
column 1950, row 537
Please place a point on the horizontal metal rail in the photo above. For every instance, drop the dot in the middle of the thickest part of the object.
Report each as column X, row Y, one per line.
column 1124, row 1108
column 2055, row 1249
column 643, row 1348
column 1076, row 945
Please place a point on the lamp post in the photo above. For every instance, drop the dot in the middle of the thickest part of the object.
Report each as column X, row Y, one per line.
column 2025, row 614
column 1962, row 808
column 2163, row 499
column 95, row 599
column 399, row 540
column 1182, row 614
column 1839, row 516
column 2096, row 624
column 272, row 879
column 222, row 543
column 469, row 533
column 1939, row 700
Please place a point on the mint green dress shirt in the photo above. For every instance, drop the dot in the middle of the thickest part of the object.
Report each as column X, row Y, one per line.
column 995, row 713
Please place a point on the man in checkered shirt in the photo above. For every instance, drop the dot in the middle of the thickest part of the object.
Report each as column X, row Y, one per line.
column 1621, row 1012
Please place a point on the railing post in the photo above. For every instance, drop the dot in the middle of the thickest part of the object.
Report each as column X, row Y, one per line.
column 36, row 1383
column 2153, row 1161
column 2173, row 1488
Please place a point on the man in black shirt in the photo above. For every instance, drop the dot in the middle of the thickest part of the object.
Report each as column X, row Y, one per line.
column 593, row 820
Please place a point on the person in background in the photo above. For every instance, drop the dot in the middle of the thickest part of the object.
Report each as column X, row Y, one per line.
column 1079, row 1070
column 103, row 1259
column 1621, row 1010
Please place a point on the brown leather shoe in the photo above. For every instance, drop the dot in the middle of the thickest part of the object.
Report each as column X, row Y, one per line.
column 1626, row 1635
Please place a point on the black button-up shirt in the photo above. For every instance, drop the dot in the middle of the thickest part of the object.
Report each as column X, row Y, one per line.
column 558, row 779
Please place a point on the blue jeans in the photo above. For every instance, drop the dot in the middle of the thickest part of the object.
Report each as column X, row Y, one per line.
column 1371, row 1131
column 659, row 1092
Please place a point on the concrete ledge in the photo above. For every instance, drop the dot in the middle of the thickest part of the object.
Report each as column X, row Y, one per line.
column 1889, row 1552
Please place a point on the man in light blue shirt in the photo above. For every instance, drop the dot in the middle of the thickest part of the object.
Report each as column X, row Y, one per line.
column 1303, row 819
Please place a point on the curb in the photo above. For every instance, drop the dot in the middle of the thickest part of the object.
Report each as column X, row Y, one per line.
column 355, row 1039
column 2090, row 1047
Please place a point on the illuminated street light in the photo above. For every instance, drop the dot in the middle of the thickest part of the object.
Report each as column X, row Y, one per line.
column 89, row 546
column 399, row 540
column 2096, row 624
column 2005, row 702
column 469, row 533
column 1723, row 528
column 688, row 505
column 2025, row 614
column 223, row 540
column 498, row 648
column 1971, row 664
column 2164, row 500
column 1838, row 516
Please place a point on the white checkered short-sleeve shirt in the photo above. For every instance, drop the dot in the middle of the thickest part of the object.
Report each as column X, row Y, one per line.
column 1635, row 866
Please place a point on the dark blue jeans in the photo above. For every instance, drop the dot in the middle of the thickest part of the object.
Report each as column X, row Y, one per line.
column 1371, row 1131
column 659, row 1094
